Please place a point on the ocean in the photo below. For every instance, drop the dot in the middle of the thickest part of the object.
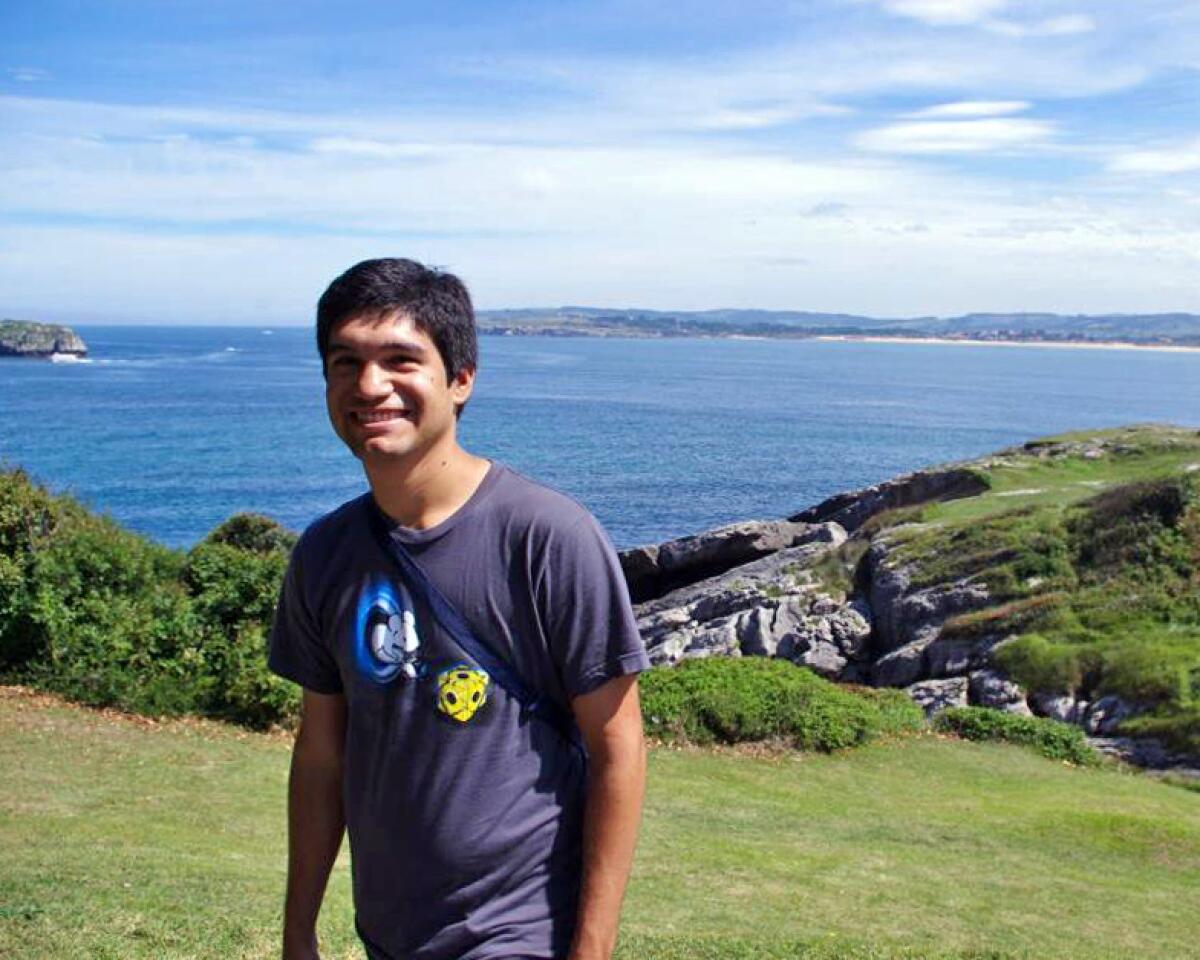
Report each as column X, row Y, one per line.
column 171, row 430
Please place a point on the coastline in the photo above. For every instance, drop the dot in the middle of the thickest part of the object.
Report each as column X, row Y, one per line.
column 1069, row 345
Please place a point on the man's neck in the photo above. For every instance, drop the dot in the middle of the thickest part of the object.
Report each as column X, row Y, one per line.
column 421, row 495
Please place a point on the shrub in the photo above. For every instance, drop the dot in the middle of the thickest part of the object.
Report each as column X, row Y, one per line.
column 1133, row 525
column 1057, row 741
column 234, row 581
column 733, row 700
column 1041, row 665
column 254, row 532
column 898, row 714
column 1152, row 670
column 104, row 616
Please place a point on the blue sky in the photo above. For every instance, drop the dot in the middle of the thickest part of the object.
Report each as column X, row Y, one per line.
column 220, row 162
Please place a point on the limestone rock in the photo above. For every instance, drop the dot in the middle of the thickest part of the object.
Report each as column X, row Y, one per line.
column 904, row 665
column 934, row 696
column 989, row 688
column 768, row 607
column 853, row 509
column 901, row 611
column 652, row 571
column 1105, row 715
column 1056, row 706
column 957, row 657
column 850, row 628
column 818, row 655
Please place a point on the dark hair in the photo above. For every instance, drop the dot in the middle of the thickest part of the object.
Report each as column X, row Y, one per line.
column 437, row 302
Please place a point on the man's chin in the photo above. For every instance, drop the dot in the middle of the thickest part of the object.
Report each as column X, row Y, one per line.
column 382, row 452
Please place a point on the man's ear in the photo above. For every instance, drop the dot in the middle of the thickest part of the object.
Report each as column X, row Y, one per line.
column 461, row 385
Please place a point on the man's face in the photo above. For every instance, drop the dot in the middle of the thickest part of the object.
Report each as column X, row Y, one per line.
column 386, row 388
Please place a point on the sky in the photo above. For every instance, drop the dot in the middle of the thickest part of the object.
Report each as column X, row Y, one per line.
column 205, row 161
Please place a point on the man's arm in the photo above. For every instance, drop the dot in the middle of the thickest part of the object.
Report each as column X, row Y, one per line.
column 611, row 722
column 316, row 819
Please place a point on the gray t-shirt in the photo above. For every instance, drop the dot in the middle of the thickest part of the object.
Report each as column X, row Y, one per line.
column 464, row 817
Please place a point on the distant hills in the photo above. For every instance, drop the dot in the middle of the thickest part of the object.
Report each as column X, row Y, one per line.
column 1181, row 329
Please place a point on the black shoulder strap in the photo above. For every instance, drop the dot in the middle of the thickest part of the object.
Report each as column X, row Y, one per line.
column 456, row 625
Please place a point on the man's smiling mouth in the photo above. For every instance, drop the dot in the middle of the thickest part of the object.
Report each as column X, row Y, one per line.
column 379, row 416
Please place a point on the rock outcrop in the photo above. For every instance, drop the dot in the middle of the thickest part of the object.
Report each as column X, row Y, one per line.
column 876, row 603
column 44, row 340
column 855, row 508
column 652, row 571
column 773, row 607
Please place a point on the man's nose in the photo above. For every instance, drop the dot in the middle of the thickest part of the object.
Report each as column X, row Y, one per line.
column 372, row 381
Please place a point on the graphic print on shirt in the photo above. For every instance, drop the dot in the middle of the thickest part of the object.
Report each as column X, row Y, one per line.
column 461, row 691
column 386, row 642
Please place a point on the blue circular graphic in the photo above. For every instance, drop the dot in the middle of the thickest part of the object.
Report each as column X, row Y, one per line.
column 385, row 638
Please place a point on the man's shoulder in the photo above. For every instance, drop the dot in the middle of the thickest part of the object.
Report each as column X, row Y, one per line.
column 330, row 528
column 536, row 506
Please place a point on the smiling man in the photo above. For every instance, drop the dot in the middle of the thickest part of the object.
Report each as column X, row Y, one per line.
column 468, row 656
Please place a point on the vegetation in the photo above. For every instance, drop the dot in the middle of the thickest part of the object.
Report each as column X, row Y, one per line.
column 127, row 839
column 1053, row 740
column 720, row 700
column 109, row 618
column 1089, row 545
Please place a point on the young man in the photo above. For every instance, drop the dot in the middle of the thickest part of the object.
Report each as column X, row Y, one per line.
column 477, row 827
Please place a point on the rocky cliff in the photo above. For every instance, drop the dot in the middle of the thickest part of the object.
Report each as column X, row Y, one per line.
column 1059, row 578
column 21, row 339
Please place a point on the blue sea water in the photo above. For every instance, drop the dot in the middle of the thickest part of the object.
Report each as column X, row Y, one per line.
column 170, row 430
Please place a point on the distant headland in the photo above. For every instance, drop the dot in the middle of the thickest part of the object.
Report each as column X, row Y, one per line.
column 1170, row 330
column 19, row 338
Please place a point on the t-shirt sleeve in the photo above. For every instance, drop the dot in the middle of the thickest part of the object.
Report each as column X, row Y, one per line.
column 297, row 650
column 593, row 634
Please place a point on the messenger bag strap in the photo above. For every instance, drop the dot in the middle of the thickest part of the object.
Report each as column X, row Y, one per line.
column 456, row 625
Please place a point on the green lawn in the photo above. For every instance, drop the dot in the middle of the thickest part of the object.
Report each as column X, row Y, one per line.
column 125, row 838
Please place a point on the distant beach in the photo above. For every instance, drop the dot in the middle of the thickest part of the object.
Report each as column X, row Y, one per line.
column 1071, row 344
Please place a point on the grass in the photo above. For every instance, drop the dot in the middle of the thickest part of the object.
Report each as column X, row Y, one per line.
column 1092, row 562
column 126, row 838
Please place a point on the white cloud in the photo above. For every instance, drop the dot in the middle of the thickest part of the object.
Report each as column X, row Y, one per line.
column 1064, row 26
column 380, row 149
column 752, row 119
column 944, row 13
column 1183, row 158
column 955, row 136
column 971, row 108
column 27, row 74
column 984, row 13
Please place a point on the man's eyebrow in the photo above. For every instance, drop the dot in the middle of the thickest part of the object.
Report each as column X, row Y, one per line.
column 388, row 346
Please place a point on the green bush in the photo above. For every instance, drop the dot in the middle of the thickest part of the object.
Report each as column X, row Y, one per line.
column 1131, row 526
column 234, row 581
column 1041, row 665
column 1058, row 741
column 898, row 714
column 101, row 615
column 254, row 532
column 733, row 700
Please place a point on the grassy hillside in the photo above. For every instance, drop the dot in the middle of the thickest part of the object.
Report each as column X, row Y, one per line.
column 126, row 838
column 1089, row 544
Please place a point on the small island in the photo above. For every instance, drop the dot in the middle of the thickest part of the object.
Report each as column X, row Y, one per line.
column 46, row 341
